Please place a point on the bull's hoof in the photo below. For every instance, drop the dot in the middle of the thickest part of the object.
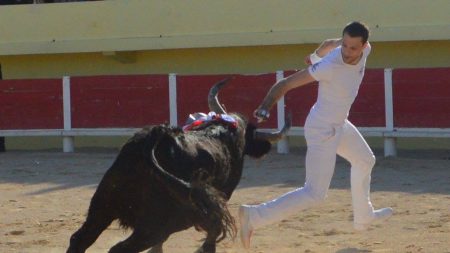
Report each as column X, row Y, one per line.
column 156, row 249
column 71, row 250
column 206, row 248
column 199, row 250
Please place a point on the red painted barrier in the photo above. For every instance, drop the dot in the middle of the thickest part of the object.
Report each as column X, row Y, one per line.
column 243, row 94
column 421, row 97
column 119, row 101
column 368, row 110
column 299, row 101
column 31, row 104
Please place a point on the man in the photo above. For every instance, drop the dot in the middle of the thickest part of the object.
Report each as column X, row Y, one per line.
column 338, row 65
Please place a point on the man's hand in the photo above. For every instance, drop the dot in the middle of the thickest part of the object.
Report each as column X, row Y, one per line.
column 261, row 115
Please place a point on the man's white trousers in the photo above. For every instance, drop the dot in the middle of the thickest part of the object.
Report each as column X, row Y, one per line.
column 324, row 141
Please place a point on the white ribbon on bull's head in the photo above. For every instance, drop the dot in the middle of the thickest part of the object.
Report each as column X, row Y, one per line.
column 195, row 116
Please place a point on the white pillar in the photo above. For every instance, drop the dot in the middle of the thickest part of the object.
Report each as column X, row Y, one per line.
column 283, row 144
column 68, row 144
column 68, row 141
column 173, row 99
column 390, row 147
column 390, row 144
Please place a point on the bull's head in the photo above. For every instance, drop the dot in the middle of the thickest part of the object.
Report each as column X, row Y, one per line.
column 257, row 143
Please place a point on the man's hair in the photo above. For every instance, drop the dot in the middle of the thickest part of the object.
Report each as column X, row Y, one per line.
column 357, row 29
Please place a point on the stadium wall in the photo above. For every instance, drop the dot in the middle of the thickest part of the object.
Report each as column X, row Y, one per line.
column 210, row 37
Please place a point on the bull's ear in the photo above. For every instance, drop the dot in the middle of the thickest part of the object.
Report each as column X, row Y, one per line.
column 255, row 147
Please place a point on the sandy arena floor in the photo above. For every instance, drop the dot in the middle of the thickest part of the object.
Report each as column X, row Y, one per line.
column 44, row 197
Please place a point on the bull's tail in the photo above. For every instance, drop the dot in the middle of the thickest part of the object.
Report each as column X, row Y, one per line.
column 204, row 200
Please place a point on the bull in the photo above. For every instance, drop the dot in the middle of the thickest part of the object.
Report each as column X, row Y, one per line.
column 166, row 180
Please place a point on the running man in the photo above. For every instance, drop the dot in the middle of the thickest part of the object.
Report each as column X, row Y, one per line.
column 338, row 66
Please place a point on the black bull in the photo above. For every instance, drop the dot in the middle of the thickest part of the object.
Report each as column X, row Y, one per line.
column 165, row 180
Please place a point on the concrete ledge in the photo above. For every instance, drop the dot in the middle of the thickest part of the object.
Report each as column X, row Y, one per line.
column 389, row 136
column 295, row 131
column 72, row 132
column 419, row 132
column 397, row 132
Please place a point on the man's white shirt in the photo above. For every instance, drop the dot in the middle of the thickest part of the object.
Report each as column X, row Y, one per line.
column 338, row 85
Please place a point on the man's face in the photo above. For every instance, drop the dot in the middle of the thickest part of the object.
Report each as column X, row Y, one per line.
column 352, row 48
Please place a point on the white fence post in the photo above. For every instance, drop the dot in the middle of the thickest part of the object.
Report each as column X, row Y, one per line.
column 68, row 141
column 390, row 148
column 173, row 99
column 283, row 144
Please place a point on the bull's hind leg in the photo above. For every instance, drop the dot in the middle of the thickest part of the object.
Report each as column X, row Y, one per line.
column 209, row 246
column 88, row 233
column 141, row 239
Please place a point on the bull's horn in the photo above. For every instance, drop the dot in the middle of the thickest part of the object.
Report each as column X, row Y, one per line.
column 276, row 136
column 213, row 101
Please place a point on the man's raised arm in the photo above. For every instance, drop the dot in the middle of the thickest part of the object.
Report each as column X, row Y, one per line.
column 278, row 90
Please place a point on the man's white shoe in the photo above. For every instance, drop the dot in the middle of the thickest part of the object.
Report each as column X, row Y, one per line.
column 378, row 216
column 246, row 228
